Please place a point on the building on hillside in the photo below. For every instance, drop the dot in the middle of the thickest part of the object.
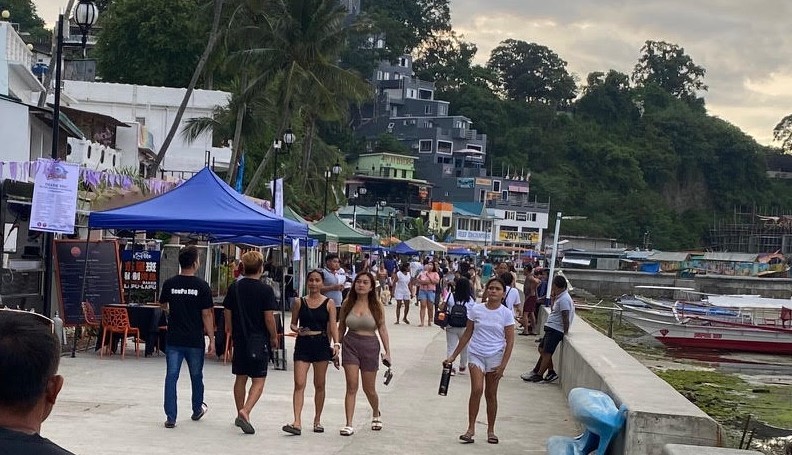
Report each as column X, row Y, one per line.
column 151, row 111
column 779, row 166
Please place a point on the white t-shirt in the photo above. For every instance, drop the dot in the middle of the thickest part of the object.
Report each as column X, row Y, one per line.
column 562, row 303
column 511, row 298
column 402, row 284
column 451, row 302
column 415, row 268
column 489, row 326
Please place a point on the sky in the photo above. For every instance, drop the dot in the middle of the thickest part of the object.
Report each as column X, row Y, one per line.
column 741, row 44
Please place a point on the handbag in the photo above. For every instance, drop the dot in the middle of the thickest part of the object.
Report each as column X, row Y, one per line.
column 256, row 343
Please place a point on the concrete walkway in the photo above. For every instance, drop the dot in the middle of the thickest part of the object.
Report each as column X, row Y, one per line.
column 111, row 406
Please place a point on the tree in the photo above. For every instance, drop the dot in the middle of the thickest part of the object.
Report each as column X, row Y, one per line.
column 447, row 60
column 406, row 24
column 156, row 42
column 783, row 133
column 607, row 99
column 23, row 12
column 532, row 72
column 669, row 67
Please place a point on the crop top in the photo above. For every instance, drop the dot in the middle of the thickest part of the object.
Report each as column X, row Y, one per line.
column 365, row 322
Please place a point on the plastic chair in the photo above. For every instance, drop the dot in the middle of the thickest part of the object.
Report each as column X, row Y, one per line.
column 116, row 320
column 91, row 323
column 229, row 348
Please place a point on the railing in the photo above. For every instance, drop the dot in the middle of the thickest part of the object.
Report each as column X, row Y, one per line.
column 521, row 204
column 16, row 49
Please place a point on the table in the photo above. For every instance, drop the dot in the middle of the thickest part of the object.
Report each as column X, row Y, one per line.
column 147, row 319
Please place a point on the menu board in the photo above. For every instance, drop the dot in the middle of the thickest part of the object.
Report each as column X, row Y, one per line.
column 98, row 265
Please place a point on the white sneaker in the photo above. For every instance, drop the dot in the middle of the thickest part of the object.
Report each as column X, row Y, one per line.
column 527, row 375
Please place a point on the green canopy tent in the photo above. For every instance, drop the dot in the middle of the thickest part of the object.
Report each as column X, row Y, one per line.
column 346, row 233
column 313, row 231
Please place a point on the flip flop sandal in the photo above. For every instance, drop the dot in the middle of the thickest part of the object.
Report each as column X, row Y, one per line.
column 467, row 438
column 376, row 423
column 291, row 429
column 347, row 431
column 246, row 427
column 318, row 428
column 492, row 439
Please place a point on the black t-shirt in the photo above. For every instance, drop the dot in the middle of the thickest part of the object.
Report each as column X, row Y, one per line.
column 187, row 297
column 257, row 298
column 16, row 443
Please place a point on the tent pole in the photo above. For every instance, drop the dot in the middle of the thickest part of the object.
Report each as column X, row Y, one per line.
column 282, row 363
column 82, row 292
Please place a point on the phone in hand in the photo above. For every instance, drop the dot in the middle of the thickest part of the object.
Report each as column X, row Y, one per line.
column 386, row 362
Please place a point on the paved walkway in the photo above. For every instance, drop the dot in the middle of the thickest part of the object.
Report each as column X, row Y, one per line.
column 111, row 406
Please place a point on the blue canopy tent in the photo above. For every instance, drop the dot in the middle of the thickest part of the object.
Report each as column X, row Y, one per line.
column 403, row 248
column 258, row 241
column 461, row 252
column 531, row 254
column 204, row 204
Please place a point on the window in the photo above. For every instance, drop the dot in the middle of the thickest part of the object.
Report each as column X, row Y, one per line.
column 496, row 185
column 88, row 155
column 442, row 109
column 379, row 75
column 425, row 146
column 446, row 222
column 475, row 225
column 404, row 173
column 428, row 124
column 141, row 120
column 473, row 147
column 482, row 195
column 509, row 228
column 114, row 160
column 504, row 195
column 397, row 75
column 509, row 215
column 427, row 109
column 403, row 62
column 521, row 216
column 445, row 147
column 531, row 217
column 386, row 76
column 101, row 157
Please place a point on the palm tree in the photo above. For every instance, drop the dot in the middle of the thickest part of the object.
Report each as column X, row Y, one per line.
column 294, row 45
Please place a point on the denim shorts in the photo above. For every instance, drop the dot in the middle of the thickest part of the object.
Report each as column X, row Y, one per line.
column 426, row 295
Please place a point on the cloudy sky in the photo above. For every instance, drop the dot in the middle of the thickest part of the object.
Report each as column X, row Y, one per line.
column 742, row 44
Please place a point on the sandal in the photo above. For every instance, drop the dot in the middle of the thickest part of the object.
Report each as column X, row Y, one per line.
column 291, row 429
column 318, row 428
column 347, row 431
column 492, row 439
column 376, row 423
column 466, row 438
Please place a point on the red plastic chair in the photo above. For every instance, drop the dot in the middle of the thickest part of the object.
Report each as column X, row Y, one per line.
column 116, row 320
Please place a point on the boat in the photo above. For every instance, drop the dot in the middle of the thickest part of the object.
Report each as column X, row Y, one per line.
column 720, row 335
column 649, row 313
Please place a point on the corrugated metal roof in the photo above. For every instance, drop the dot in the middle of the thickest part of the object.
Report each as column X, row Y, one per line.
column 730, row 257
column 669, row 256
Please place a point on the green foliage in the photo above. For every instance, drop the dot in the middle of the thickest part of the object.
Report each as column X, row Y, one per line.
column 156, row 42
column 23, row 12
column 667, row 66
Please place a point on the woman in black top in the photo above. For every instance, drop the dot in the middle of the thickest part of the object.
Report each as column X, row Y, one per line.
column 314, row 322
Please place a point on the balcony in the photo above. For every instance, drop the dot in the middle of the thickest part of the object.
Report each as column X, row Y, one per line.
column 543, row 207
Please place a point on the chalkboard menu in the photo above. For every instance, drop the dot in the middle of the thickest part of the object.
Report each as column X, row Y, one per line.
column 102, row 276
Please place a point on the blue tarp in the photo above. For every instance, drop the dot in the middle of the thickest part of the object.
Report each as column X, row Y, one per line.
column 202, row 205
column 461, row 252
column 260, row 241
column 403, row 248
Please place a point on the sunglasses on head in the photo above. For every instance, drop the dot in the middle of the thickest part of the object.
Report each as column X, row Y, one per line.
column 40, row 318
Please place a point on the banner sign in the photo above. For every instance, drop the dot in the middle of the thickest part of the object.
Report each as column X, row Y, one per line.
column 518, row 237
column 466, row 182
column 141, row 270
column 54, row 196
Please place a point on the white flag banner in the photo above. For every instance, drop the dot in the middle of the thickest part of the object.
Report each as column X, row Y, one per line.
column 54, row 196
column 279, row 197
column 295, row 249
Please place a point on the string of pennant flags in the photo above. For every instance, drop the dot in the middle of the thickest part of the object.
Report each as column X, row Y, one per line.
column 25, row 171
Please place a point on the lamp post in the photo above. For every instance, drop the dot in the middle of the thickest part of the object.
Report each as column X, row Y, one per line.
column 376, row 214
column 554, row 256
column 359, row 192
column 330, row 172
column 85, row 15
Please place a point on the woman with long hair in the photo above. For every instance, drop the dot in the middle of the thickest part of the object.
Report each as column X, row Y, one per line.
column 401, row 290
column 314, row 322
column 362, row 317
column 463, row 294
column 427, row 288
column 490, row 334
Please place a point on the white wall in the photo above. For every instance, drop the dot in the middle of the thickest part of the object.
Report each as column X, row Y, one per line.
column 14, row 131
column 158, row 106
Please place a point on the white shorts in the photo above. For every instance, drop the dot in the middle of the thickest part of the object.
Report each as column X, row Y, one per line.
column 403, row 296
column 485, row 364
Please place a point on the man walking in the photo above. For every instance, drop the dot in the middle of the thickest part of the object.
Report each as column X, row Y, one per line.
column 529, row 307
column 333, row 279
column 188, row 300
column 557, row 326
column 29, row 382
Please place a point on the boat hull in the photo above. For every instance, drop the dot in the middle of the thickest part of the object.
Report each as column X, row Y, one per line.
column 722, row 338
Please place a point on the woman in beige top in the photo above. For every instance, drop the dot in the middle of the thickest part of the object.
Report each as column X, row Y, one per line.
column 359, row 321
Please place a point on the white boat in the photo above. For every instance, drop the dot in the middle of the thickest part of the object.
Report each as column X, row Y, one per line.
column 724, row 336
column 649, row 313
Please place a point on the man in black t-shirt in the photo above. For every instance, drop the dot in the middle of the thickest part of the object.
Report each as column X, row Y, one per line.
column 29, row 383
column 189, row 304
column 249, row 318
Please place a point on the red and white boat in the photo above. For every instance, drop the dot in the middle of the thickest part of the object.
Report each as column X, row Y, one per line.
column 720, row 335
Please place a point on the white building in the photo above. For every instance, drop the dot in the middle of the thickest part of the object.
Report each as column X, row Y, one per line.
column 151, row 111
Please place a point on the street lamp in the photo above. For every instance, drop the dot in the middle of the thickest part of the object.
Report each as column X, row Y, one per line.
column 556, row 243
column 377, row 206
column 85, row 15
column 359, row 192
column 330, row 172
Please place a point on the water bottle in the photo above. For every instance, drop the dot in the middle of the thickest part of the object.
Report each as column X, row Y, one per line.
column 445, row 378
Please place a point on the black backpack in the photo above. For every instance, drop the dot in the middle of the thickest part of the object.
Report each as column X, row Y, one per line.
column 457, row 315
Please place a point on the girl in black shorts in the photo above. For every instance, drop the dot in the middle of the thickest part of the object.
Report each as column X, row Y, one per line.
column 314, row 322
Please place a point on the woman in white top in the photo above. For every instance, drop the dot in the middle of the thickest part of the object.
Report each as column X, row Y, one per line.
column 462, row 295
column 401, row 291
column 490, row 332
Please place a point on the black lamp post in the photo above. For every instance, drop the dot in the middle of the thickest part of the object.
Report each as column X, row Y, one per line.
column 359, row 192
column 85, row 15
column 376, row 214
column 330, row 172
column 288, row 139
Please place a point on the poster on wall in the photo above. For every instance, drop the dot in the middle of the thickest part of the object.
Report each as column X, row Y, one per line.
column 54, row 196
column 466, row 182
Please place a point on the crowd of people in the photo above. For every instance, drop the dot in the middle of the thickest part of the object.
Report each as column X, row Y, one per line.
column 341, row 320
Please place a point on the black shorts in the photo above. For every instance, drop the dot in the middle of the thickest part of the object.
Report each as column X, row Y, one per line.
column 312, row 349
column 551, row 339
column 242, row 365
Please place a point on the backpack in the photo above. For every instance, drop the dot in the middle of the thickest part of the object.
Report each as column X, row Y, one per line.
column 457, row 315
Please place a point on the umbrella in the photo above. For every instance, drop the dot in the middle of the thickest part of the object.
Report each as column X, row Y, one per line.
column 499, row 253
column 461, row 252
column 422, row 243
column 531, row 254
column 403, row 248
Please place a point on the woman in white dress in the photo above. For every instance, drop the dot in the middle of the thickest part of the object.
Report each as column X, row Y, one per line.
column 401, row 291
